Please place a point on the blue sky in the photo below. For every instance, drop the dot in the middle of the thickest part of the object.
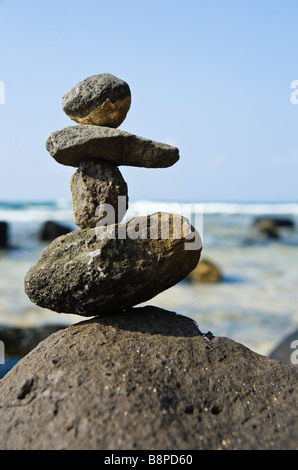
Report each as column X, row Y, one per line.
column 211, row 77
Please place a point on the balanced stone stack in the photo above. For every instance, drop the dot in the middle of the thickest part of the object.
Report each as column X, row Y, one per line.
column 140, row 378
column 107, row 265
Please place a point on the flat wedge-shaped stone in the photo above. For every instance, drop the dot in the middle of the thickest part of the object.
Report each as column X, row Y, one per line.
column 75, row 144
column 99, row 270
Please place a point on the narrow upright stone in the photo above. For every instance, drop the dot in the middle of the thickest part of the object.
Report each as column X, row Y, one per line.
column 101, row 100
column 95, row 186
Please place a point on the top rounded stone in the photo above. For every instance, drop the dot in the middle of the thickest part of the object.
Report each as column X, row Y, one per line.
column 101, row 100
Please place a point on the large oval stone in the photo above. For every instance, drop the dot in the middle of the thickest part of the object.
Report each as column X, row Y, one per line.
column 100, row 270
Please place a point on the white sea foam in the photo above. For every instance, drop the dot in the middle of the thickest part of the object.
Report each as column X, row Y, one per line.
column 29, row 214
column 62, row 210
column 251, row 209
column 230, row 208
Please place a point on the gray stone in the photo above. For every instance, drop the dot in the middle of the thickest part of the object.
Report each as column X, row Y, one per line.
column 102, row 100
column 98, row 184
column 146, row 379
column 206, row 271
column 74, row 144
column 100, row 270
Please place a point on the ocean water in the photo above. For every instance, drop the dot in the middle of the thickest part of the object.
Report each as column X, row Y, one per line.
column 256, row 303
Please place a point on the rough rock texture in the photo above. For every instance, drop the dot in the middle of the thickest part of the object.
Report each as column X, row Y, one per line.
column 146, row 379
column 102, row 100
column 97, row 183
column 113, row 267
column 205, row 271
column 74, row 144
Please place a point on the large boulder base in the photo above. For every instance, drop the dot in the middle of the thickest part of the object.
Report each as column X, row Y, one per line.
column 74, row 144
column 146, row 379
column 98, row 270
column 101, row 100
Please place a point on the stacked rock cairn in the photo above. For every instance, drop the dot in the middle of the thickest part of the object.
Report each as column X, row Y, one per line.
column 108, row 265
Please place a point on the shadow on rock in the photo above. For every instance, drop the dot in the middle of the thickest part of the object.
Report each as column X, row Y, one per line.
column 149, row 319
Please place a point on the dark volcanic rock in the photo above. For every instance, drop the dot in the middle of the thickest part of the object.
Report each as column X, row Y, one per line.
column 98, row 184
column 51, row 230
column 270, row 228
column 146, row 379
column 75, row 144
column 102, row 100
column 118, row 266
column 20, row 341
column 279, row 222
column 3, row 234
